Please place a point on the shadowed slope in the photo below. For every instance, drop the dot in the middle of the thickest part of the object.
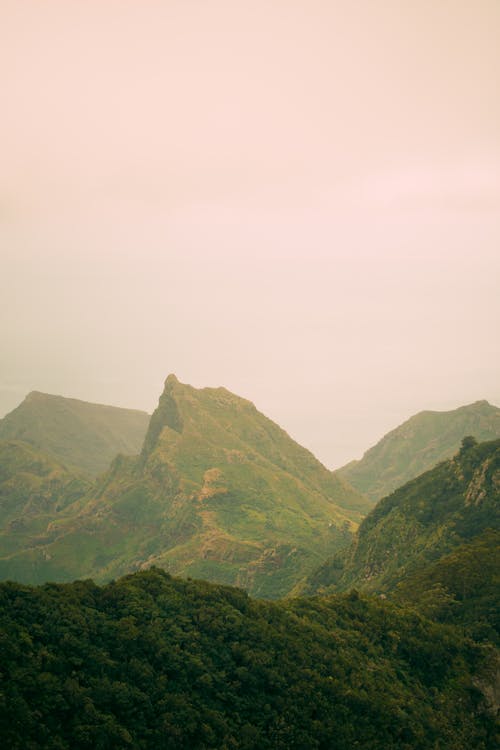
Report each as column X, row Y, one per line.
column 449, row 515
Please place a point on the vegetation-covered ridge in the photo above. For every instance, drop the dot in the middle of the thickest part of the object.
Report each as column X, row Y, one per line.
column 218, row 492
column 434, row 541
column 419, row 444
column 154, row 662
column 79, row 434
column 34, row 490
column 462, row 587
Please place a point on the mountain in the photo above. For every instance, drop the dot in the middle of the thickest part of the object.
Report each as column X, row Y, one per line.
column 153, row 662
column 433, row 541
column 218, row 492
column 419, row 444
column 81, row 435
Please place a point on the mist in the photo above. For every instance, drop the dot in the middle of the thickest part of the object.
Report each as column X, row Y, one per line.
column 298, row 201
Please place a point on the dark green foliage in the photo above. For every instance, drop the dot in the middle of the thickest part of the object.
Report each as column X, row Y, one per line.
column 154, row 662
column 468, row 442
column 461, row 587
column 419, row 444
column 79, row 434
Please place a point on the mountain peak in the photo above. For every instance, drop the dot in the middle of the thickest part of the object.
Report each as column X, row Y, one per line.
column 78, row 433
column 166, row 414
column 35, row 396
column 481, row 403
column 171, row 380
column 418, row 444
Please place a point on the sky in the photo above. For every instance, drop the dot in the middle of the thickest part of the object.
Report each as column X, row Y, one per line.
column 299, row 201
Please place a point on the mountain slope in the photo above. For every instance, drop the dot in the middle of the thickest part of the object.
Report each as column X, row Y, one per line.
column 152, row 662
column 441, row 512
column 34, row 490
column 461, row 587
column 419, row 444
column 80, row 434
column 219, row 492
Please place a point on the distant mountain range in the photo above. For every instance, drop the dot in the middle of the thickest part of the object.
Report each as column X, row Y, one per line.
column 419, row 444
column 218, row 492
column 81, row 435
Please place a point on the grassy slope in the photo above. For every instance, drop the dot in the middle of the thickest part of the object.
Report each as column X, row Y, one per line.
column 419, row 444
column 34, row 491
column 81, row 435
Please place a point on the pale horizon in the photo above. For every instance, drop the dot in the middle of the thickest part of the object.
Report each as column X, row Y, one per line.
column 297, row 201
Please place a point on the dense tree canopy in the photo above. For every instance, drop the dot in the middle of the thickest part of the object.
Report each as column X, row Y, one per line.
column 155, row 662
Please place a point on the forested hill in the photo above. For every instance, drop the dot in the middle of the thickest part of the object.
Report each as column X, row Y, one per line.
column 419, row 444
column 156, row 663
column 81, row 435
column 434, row 541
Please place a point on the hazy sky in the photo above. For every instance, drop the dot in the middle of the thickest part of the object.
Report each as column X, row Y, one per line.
column 299, row 200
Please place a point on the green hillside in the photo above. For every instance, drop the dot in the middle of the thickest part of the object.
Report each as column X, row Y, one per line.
column 79, row 434
column 419, row 444
column 433, row 532
column 157, row 663
column 219, row 492
column 34, row 491
column 462, row 587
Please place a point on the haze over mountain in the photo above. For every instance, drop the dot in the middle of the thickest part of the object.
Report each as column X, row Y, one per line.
column 298, row 200
column 314, row 225
column 419, row 444
column 219, row 491
column 435, row 541
column 82, row 435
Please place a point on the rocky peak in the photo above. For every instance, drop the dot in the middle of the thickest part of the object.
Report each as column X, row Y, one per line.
column 165, row 415
column 171, row 381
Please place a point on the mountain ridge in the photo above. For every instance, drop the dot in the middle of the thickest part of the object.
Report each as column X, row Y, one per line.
column 83, row 435
column 417, row 445
column 218, row 491
column 427, row 532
